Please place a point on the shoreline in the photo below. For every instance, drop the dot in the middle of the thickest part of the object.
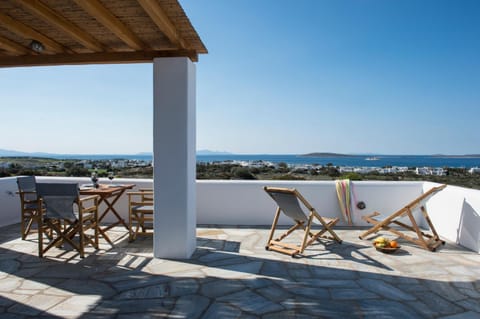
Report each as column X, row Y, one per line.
column 373, row 162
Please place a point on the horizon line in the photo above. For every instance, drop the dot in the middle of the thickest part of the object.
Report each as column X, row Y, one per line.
column 226, row 153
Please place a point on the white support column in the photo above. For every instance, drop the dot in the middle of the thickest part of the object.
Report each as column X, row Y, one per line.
column 174, row 151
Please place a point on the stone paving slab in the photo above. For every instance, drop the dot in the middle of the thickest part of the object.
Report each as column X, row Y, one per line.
column 230, row 275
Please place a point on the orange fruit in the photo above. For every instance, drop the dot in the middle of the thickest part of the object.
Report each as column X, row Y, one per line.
column 393, row 244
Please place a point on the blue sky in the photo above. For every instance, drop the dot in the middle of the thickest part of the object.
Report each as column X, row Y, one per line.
column 281, row 77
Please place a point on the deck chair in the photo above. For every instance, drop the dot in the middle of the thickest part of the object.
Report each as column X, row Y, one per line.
column 29, row 203
column 63, row 205
column 288, row 201
column 425, row 240
column 140, row 213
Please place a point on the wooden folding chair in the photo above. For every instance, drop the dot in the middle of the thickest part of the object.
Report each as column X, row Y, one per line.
column 288, row 201
column 59, row 200
column 140, row 213
column 30, row 204
column 429, row 241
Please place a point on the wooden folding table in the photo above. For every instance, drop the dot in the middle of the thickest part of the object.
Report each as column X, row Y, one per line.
column 109, row 194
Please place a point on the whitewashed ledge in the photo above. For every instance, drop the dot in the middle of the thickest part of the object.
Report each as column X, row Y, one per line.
column 455, row 211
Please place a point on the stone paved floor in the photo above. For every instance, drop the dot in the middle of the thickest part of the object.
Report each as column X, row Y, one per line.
column 232, row 276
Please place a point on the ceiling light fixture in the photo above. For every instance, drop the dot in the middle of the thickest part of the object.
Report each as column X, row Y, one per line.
column 37, row 46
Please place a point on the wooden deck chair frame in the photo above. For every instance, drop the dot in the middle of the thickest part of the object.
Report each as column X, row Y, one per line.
column 29, row 203
column 423, row 239
column 305, row 224
column 30, row 206
column 87, row 219
column 29, row 212
column 140, row 213
column 63, row 230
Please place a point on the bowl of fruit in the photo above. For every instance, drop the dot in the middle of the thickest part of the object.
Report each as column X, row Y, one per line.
column 385, row 245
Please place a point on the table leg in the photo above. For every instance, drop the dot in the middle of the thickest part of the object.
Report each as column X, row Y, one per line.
column 105, row 212
column 113, row 210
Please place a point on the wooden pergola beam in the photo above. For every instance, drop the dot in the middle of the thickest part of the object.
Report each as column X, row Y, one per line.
column 160, row 18
column 13, row 47
column 94, row 31
column 93, row 58
column 105, row 17
column 48, row 15
column 28, row 33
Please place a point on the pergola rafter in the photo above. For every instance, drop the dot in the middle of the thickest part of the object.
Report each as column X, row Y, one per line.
column 97, row 10
column 25, row 31
column 153, row 9
column 50, row 16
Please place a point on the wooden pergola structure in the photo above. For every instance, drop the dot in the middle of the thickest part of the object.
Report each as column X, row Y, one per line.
column 61, row 32
column 56, row 32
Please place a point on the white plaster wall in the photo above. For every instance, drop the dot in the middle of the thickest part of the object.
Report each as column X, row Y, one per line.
column 455, row 213
column 9, row 201
column 246, row 203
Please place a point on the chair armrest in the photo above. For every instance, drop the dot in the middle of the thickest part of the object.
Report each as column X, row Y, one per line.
column 140, row 193
column 91, row 206
column 90, row 197
column 25, row 192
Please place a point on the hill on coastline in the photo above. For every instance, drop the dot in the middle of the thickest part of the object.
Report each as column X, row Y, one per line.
column 13, row 153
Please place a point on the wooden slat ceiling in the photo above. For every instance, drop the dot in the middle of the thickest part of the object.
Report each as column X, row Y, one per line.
column 94, row 31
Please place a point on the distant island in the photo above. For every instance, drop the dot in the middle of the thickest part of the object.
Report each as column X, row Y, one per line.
column 208, row 152
column 326, row 155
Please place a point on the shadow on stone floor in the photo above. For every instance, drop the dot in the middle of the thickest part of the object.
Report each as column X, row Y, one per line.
column 217, row 282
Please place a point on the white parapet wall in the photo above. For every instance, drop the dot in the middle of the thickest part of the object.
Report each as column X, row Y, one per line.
column 246, row 203
column 454, row 211
column 9, row 201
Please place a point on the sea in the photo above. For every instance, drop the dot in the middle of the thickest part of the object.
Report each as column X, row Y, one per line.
column 297, row 160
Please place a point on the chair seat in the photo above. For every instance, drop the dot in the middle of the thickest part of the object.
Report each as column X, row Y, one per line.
column 143, row 208
column 32, row 206
column 140, row 213
column 85, row 215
